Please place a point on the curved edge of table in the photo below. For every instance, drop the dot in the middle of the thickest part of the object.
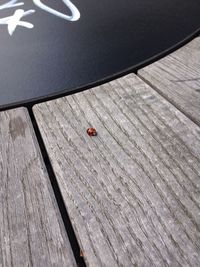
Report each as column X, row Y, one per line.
column 132, row 191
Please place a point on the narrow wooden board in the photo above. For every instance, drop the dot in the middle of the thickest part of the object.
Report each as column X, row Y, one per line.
column 177, row 78
column 132, row 191
column 31, row 230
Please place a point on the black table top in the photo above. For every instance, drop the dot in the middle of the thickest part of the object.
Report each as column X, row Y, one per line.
column 51, row 48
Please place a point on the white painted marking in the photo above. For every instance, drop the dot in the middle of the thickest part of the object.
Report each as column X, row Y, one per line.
column 14, row 21
column 74, row 10
column 10, row 4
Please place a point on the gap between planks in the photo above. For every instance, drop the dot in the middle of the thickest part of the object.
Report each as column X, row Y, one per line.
column 133, row 191
column 177, row 78
column 32, row 232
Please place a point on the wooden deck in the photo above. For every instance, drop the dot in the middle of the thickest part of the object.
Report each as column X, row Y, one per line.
column 131, row 193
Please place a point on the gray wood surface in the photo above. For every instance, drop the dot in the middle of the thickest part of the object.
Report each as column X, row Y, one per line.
column 132, row 191
column 177, row 77
column 31, row 230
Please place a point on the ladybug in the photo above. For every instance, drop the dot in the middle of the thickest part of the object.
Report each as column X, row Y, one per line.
column 91, row 132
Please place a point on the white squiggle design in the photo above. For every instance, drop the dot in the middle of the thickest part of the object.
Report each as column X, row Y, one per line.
column 10, row 4
column 14, row 20
column 74, row 10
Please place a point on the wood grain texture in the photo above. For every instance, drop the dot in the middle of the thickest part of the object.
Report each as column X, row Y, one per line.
column 177, row 78
column 132, row 191
column 31, row 230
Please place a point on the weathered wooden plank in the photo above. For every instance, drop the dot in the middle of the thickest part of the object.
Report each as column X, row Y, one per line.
column 177, row 77
column 133, row 191
column 31, row 230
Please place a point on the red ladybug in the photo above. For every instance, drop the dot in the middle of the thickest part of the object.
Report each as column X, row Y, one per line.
column 91, row 132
